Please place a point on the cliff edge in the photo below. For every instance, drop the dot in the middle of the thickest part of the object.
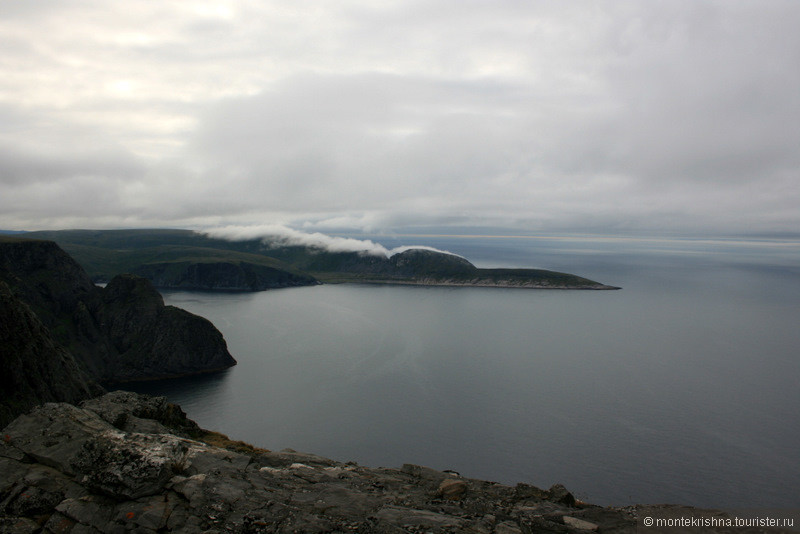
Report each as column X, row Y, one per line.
column 114, row 334
column 127, row 462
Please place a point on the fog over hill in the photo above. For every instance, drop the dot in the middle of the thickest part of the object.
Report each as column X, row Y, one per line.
column 276, row 236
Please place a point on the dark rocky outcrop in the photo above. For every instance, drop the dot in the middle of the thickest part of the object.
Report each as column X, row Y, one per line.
column 126, row 462
column 118, row 333
column 34, row 368
column 44, row 276
column 151, row 340
column 221, row 275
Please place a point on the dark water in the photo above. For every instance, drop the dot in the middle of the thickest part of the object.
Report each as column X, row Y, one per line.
column 683, row 387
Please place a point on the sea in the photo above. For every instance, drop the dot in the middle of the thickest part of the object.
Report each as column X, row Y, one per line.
column 682, row 387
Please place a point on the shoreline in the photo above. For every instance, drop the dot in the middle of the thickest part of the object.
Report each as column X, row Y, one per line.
column 486, row 284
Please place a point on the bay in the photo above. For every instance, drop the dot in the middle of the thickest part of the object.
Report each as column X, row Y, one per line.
column 683, row 387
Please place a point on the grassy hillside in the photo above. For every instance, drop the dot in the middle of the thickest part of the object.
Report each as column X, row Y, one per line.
column 105, row 253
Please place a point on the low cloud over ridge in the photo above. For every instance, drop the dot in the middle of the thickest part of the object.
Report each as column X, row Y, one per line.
column 276, row 236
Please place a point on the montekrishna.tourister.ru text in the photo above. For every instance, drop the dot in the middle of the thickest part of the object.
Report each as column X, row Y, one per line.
column 717, row 521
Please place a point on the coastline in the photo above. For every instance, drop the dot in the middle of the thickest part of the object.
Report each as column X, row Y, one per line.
column 456, row 283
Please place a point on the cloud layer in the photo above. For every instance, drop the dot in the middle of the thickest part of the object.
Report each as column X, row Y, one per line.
column 281, row 236
column 609, row 117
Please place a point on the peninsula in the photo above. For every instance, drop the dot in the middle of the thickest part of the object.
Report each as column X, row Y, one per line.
column 184, row 259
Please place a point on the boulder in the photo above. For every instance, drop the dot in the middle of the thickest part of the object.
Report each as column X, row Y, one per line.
column 558, row 493
column 452, row 488
column 130, row 466
column 137, row 413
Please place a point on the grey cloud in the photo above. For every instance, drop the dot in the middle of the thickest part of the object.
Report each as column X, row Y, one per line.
column 438, row 150
column 20, row 167
column 366, row 137
column 711, row 99
column 589, row 116
column 53, row 170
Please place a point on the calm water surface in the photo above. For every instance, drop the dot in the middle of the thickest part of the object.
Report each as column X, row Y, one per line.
column 683, row 387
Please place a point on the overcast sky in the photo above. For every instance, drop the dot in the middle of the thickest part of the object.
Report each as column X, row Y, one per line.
column 384, row 116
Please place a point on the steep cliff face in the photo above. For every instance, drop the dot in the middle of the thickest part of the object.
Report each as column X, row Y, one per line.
column 34, row 368
column 123, row 332
column 154, row 340
column 44, row 276
column 221, row 275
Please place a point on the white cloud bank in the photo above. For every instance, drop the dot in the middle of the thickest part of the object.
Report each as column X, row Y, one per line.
column 275, row 236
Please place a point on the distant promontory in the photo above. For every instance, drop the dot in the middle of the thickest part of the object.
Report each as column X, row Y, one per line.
column 184, row 259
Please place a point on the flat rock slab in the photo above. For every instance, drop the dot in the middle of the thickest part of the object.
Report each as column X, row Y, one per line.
column 580, row 524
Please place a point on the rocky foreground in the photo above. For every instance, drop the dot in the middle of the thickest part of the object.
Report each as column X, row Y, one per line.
column 131, row 463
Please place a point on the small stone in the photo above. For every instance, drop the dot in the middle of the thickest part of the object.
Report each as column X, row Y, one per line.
column 560, row 494
column 580, row 524
column 424, row 473
column 152, row 514
column 30, row 501
column 507, row 527
column 93, row 511
column 7, row 450
column 452, row 488
column 526, row 491
column 409, row 517
column 18, row 525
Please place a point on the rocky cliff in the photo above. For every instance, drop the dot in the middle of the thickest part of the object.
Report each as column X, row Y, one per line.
column 150, row 340
column 35, row 369
column 118, row 333
column 131, row 463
